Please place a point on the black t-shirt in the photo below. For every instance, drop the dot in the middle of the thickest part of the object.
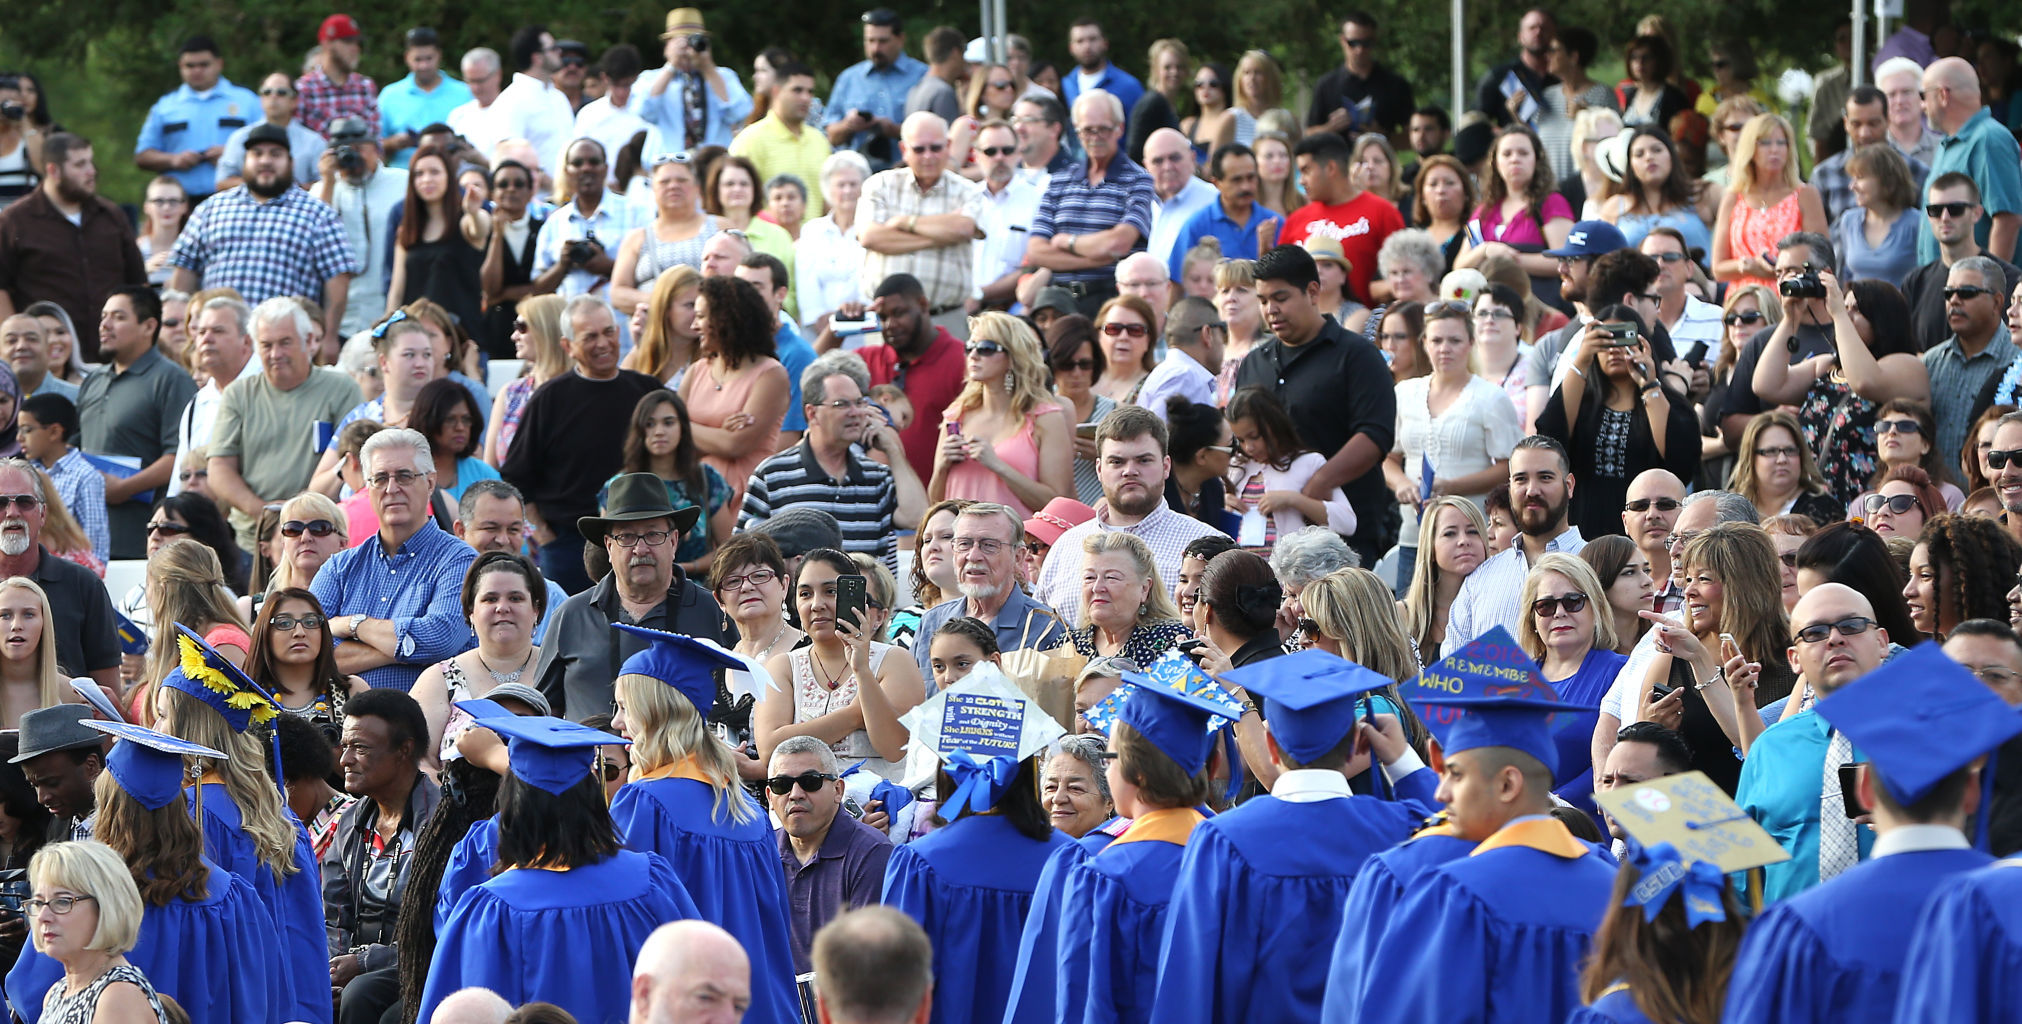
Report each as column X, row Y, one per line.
column 1389, row 99
column 1925, row 291
column 1489, row 97
column 572, row 439
column 1739, row 397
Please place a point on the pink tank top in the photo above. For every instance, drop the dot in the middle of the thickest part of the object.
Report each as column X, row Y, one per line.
column 709, row 407
column 1020, row 451
column 1754, row 232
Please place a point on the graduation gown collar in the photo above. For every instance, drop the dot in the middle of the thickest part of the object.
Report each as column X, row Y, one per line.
column 1543, row 834
column 1171, row 825
column 689, row 767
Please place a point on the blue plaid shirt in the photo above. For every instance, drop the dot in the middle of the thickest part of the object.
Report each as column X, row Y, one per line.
column 419, row 587
column 82, row 488
column 288, row 245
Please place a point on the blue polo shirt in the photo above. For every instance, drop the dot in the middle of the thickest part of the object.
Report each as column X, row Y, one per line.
column 405, row 106
column 1986, row 152
column 187, row 120
column 1782, row 784
column 796, row 355
column 1113, row 80
column 881, row 91
column 1239, row 241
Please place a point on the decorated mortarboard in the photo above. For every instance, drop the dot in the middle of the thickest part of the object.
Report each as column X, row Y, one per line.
column 1178, row 723
column 209, row 676
column 980, row 729
column 1310, row 698
column 1103, row 714
column 1919, row 718
column 689, row 664
column 1686, row 833
column 1172, row 671
column 148, row 764
column 551, row 753
column 1490, row 694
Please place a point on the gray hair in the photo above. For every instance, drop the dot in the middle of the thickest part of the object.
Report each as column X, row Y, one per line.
column 1087, row 748
column 1310, row 553
column 169, row 295
column 986, row 509
column 277, row 310
column 357, row 357
column 484, row 57
column 840, row 159
column 824, row 755
column 1412, row 245
column 792, row 180
column 34, row 475
column 581, row 302
column 1728, row 507
column 398, row 437
column 1819, row 246
column 242, row 315
column 1989, row 273
column 813, row 380
column 466, row 506
column 1103, row 96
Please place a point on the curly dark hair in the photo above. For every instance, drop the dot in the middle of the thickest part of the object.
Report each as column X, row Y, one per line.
column 469, row 795
column 1494, row 190
column 432, row 408
column 1981, row 558
column 739, row 324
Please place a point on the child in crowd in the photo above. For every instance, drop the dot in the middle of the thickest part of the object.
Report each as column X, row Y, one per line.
column 1270, row 475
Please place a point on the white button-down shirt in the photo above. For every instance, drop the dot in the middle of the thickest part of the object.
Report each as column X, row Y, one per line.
column 1005, row 221
column 1493, row 593
column 1177, row 374
column 1168, row 216
column 538, row 112
column 194, row 429
column 613, row 218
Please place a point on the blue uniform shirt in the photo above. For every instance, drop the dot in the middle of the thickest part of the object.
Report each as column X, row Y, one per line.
column 187, row 120
column 880, row 91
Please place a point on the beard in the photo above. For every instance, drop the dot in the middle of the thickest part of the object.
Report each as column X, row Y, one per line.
column 1138, row 507
column 14, row 538
column 1534, row 522
column 269, row 188
column 72, row 192
column 980, row 591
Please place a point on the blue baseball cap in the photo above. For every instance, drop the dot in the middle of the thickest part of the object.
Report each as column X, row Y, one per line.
column 1590, row 238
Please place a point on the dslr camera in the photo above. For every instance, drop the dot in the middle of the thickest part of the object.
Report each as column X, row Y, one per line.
column 1804, row 285
column 581, row 250
column 349, row 160
column 699, row 42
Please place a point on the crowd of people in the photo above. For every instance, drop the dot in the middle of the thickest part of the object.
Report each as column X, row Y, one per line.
column 1010, row 541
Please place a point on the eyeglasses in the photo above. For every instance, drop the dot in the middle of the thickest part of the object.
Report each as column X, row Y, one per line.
column 1998, row 458
column 166, row 201
column 1682, row 538
column 1667, row 257
column 1995, row 677
column 59, row 906
column 277, row 92
column 171, row 529
column 1851, row 626
column 188, row 475
column 1357, row 44
column 931, row 147
column 1937, row 210
column 1910, row 427
column 756, row 577
column 985, row 545
column 846, row 404
column 1493, row 313
column 651, row 538
column 1896, row 503
column 1967, row 292
column 287, row 623
column 404, row 478
column 1084, row 365
column 1781, row 451
column 1644, row 504
column 781, row 785
column 672, row 158
column 1094, row 131
column 314, row 528
column 1117, row 330
column 998, row 150
column 1548, row 607
column 983, row 348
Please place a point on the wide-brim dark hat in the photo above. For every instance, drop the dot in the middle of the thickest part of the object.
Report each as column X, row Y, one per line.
column 57, row 727
column 635, row 497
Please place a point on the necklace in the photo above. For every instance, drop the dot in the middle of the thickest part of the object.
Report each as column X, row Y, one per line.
column 776, row 635
column 505, row 678
column 829, row 680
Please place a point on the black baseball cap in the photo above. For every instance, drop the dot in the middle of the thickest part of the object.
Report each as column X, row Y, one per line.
column 423, row 36
column 264, row 132
column 883, row 17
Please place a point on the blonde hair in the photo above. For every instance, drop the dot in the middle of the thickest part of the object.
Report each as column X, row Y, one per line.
column 666, row 728
column 650, row 356
column 1354, row 607
column 1741, row 164
column 185, row 584
column 1235, row 273
column 92, row 869
column 543, row 314
column 1744, row 483
column 1158, row 603
column 314, row 505
column 1587, row 124
column 1273, row 91
column 884, row 588
column 52, row 677
column 244, row 773
column 1581, row 575
column 1421, row 599
column 1028, row 366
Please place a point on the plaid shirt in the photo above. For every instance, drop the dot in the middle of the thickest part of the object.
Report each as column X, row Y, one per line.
column 1073, row 206
column 288, row 245
column 324, row 101
column 82, row 488
column 419, row 588
column 943, row 270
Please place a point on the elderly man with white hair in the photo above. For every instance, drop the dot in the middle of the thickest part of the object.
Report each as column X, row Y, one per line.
column 1181, row 193
column 1094, row 213
column 1901, row 81
column 1143, row 275
column 690, row 972
column 919, row 219
column 221, row 347
column 472, row 1006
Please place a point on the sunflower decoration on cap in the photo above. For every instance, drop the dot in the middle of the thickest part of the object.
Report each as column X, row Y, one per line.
column 209, row 676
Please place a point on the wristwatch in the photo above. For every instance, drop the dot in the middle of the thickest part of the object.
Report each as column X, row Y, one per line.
column 356, row 621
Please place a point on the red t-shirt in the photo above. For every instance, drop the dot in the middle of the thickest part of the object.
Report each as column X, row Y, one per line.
column 1361, row 224
column 931, row 382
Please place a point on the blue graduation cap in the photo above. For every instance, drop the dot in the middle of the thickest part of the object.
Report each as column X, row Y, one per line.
column 148, row 764
column 1919, row 718
column 550, row 753
column 484, row 708
column 1103, row 715
column 207, row 675
column 1179, row 724
column 1490, row 694
column 682, row 662
column 1310, row 698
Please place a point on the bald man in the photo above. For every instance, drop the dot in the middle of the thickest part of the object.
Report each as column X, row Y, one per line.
column 1142, row 275
column 918, row 219
column 1178, row 192
column 873, row 966
column 472, row 1006
column 1790, row 781
column 690, row 972
column 1977, row 146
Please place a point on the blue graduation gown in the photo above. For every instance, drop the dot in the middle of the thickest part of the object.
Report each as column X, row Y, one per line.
column 1499, row 935
column 1380, row 886
column 731, row 869
column 470, row 863
column 295, row 902
column 1032, row 980
column 1258, row 902
column 1835, row 952
column 1109, row 957
column 1965, row 959
column 1614, row 1007
column 562, row 937
column 206, row 954
column 969, row 885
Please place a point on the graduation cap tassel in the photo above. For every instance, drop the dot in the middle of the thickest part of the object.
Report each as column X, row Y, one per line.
column 196, row 771
column 1233, row 754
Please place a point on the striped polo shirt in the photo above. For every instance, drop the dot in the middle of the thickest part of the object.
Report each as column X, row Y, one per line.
column 1072, row 206
column 863, row 502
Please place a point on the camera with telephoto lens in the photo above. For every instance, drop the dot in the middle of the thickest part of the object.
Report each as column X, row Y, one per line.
column 1804, row 285
column 349, row 160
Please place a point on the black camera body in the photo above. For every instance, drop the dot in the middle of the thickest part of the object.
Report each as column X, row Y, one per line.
column 699, row 43
column 14, row 888
column 349, row 160
column 1804, row 285
column 13, row 110
column 581, row 250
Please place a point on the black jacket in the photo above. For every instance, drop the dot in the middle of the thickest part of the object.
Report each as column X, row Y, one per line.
column 580, row 661
column 353, row 915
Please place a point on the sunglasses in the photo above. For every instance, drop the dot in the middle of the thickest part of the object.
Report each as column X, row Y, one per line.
column 1967, row 292
column 1667, row 257
column 1998, row 458
column 983, row 348
column 931, row 147
column 21, row 502
column 1851, row 626
column 1937, row 210
column 998, row 150
column 314, row 528
column 172, row 529
column 1117, row 330
column 1548, row 607
column 1895, row 503
column 1789, row 559
column 1000, row 83
column 519, row 326
column 1645, row 504
column 1910, row 427
column 1750, row 317
column 277, row 92
column 1085, row 365
column 781, row 785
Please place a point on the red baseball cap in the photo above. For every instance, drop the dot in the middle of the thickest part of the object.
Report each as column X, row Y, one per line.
column 338, row 26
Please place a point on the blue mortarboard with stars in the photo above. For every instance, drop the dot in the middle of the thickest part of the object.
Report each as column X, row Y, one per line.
column 1490, row 694
column 1919, row 718
column 551, row 753
column 1310, row 698
column 148, row 764
column 682, row 662
column 1179, row 724
column 204, row 673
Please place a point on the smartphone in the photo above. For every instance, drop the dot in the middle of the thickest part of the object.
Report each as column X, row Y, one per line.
column 1728, row 648
column 1192, row 648
column 856, row 810
column 1849, row 789
column 954, row 429
column 1697, row 353
column 1661, row 691
column 1085, row 431
column 849, row 598
column 1620, row 335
